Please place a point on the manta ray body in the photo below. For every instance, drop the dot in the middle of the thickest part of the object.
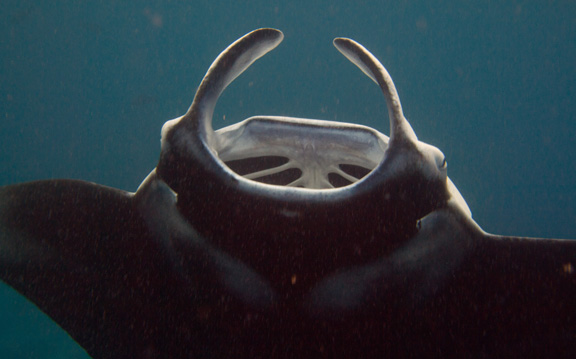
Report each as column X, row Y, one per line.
column 284, row 237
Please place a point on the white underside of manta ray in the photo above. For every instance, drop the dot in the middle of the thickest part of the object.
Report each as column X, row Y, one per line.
column 285, row 237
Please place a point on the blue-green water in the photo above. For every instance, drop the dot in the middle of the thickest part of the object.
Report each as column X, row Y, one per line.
column 85, row 87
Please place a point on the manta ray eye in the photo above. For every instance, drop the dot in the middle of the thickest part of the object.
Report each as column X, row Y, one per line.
column 440, row 160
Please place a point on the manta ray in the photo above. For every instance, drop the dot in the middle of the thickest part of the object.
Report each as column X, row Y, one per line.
column 281, row 237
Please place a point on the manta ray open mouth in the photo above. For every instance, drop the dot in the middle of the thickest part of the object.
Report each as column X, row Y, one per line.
column 300, row 152
column 306, row 153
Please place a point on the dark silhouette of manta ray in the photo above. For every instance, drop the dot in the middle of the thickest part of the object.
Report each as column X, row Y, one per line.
column 283, row 237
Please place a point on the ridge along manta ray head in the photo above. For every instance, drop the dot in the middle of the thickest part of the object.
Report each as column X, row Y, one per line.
column 285, row 237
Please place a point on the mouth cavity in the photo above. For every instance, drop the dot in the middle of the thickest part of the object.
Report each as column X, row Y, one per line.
column 277, row 170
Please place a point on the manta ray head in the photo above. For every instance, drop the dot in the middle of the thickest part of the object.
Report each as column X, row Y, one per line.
column 319, row 182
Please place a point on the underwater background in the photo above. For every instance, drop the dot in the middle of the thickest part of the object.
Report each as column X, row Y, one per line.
column 85, row 87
